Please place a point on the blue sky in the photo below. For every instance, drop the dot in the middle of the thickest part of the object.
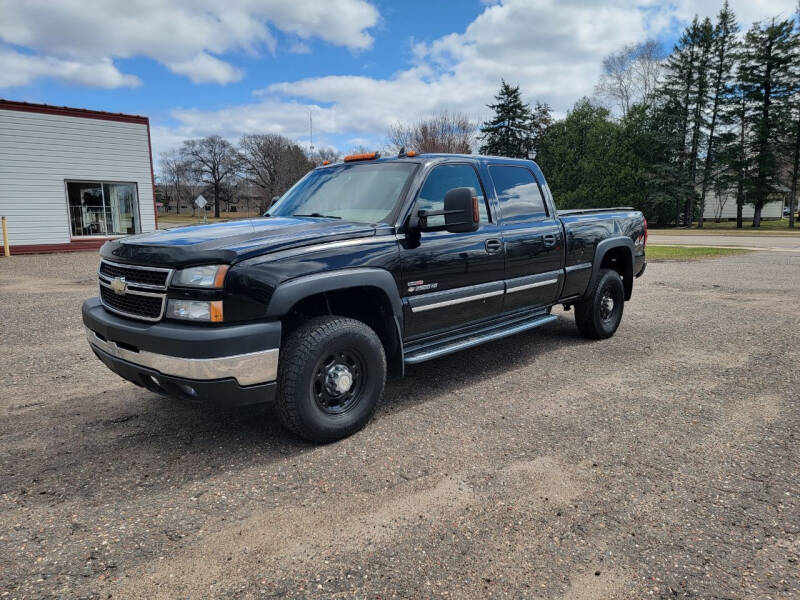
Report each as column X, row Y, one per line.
column 197, row 67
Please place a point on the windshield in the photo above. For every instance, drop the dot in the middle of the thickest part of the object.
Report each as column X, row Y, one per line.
column 365, row 193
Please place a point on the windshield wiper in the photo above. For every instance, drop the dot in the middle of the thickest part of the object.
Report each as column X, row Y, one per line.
column 319, row 216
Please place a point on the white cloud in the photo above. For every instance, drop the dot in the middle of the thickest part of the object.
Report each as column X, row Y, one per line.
column 205, row 68
column 747, row 11
column 18, row 69
column 185, row 35
column 552, row 48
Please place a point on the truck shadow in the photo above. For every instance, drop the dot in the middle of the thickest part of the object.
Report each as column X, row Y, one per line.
column 447, row 374
column 131, row 441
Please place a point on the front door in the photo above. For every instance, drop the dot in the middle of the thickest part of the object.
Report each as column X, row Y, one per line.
column 533, row 239
column 451, row 279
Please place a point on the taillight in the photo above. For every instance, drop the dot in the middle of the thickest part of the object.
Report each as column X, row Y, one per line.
column 645, row 234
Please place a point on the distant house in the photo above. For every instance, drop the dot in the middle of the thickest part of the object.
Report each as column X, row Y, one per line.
column 71, row 178
column 723, row 207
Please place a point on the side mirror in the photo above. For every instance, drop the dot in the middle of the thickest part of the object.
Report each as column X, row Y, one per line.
column 461, row 214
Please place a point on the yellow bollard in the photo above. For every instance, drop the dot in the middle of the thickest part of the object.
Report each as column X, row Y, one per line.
column 6, row 249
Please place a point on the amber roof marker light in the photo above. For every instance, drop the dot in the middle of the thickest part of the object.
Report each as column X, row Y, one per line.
column 364, row 156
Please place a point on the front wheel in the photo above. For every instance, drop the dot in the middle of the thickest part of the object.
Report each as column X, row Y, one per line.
column 599, row 314
column 332, row 373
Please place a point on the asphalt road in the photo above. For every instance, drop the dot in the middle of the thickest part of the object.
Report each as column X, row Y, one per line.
column 663, row 463
column 775, row 243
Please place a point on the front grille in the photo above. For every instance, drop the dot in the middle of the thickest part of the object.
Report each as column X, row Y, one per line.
column 147, row 276
column 149, row 307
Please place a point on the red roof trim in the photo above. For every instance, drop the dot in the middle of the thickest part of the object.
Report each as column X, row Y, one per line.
column 73, row 246
column 71, row 112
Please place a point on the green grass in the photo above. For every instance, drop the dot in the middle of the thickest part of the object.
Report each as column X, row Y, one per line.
column 689, row 252
column 777, row 227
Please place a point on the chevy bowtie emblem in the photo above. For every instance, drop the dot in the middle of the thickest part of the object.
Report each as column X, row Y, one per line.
column 119, row 285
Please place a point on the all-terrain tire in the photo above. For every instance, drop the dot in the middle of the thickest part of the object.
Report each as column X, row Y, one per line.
column 595, row 316
column 321, row 354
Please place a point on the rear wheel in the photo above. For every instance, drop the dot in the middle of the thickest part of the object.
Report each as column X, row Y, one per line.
column 599, row 314
column 331, row 376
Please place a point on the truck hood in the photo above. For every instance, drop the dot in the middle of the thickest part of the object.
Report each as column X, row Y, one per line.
column 230, row 242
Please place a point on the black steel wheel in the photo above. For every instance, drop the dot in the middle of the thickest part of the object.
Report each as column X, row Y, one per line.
column 599, row 314
column 339, row 381
column 331, row 376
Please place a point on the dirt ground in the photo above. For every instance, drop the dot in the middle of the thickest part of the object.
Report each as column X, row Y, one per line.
column 663, row 463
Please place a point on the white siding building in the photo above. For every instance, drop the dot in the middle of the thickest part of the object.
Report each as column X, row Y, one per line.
column 723, row 207
column 72, row 178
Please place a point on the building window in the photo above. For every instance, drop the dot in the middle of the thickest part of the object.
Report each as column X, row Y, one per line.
column 97, row 208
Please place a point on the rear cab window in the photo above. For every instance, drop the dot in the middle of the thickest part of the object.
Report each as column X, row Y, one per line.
column 518, row 194
column 444, row 178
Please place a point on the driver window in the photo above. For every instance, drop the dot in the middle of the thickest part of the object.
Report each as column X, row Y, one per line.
column 443, row 179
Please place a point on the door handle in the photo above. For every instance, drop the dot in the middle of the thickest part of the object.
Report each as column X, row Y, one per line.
column 493, row 246
column 549, row 240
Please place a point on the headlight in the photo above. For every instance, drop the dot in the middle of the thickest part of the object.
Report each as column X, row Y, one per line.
column 195, row 310
column 207, row 276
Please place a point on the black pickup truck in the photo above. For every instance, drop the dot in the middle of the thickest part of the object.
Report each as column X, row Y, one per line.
column 361, row 268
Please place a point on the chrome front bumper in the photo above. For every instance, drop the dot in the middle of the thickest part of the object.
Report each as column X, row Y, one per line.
column 247, row 369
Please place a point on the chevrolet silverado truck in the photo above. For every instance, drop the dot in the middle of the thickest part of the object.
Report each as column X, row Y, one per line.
column 362, row 267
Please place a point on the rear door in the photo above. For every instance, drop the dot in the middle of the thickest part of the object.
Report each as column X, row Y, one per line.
column 532, row 238
column 451, row 279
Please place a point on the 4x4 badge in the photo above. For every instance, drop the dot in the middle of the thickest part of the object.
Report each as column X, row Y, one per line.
column 421, row 286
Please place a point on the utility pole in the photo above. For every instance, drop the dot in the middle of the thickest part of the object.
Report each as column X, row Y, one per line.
column 311, row 130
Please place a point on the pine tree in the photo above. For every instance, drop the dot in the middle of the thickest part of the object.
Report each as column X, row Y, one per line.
column 724, row 48
column 794, row 141
column 676, row 94
column 795, row 158
column 733, row 147
column 509, row 132
column 541, row 120
column 770, row 52
column 704, row 38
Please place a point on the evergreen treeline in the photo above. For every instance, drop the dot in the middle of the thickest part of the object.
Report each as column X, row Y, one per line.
column 719, row 117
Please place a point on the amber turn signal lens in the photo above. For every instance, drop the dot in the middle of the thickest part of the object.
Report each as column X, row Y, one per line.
column 219, row 278
column 216, row 311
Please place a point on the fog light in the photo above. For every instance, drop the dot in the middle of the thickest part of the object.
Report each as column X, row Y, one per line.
column 188, row 390
column 156, row 381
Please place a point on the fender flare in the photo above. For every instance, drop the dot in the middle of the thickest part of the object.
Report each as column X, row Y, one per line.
column 599, row 253
column 290, row 292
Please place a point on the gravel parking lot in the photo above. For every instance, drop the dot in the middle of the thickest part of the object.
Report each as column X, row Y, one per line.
column 662, row 463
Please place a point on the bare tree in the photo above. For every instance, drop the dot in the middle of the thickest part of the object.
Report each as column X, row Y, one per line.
column 212, row 160
column 176, row 176
column 273, row 163
column 648, row 68
column 321, row 155
column 631, row 75
column 444, row 132
column 359, row 149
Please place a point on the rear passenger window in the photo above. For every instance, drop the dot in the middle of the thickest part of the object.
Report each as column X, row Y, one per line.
column 441, row 180
column 518, row 193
